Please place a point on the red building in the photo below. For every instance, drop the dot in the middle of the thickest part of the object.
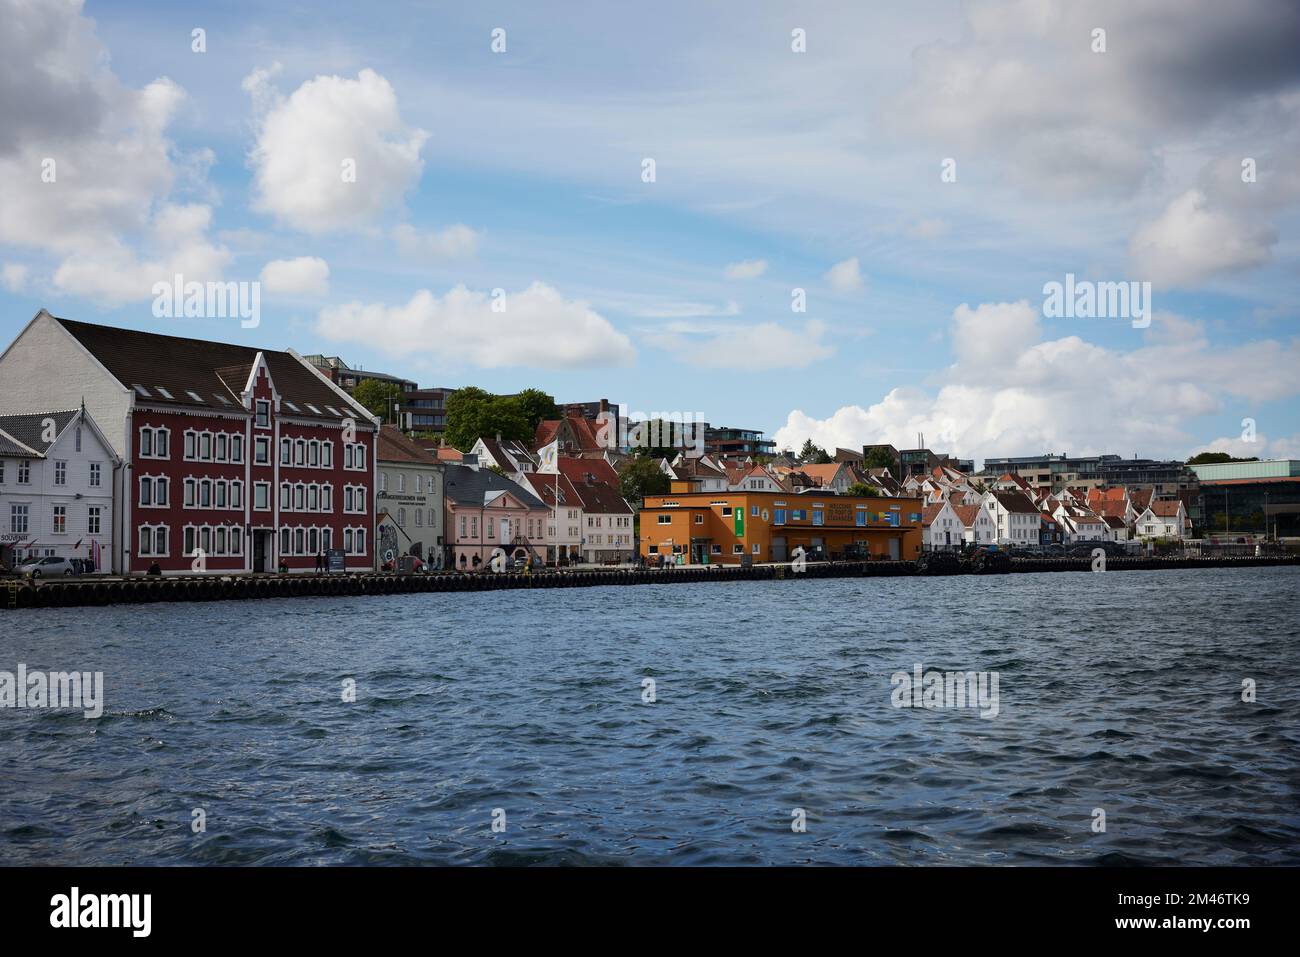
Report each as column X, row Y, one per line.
column 238, row 459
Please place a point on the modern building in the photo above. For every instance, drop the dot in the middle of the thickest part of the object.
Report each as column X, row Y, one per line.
column 725, row 442
column 57, row 472
column 424, row 412
column 1055, row 472
column 732, row 527
column 235, row 459
column 408, row 500
column 1249, row 498
column 348, row 378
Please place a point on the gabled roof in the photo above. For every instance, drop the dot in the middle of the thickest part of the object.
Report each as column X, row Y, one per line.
column 544, row 487
column 576, row 470
column 1166, row 508
column 470, row 486
column 173, row 370
column 930, row 513
column 967, row 514
column 1016, row 502
column 22, row 436
column 582, row 430
column 393, row 446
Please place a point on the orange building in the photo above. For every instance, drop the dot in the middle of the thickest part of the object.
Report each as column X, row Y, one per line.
column 724, row 527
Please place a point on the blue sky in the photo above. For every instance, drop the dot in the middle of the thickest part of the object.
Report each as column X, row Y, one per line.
column 817, row 170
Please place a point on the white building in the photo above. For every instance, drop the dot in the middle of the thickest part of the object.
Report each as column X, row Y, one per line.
column 56, row 488
column 941, row 528
column 1161, row 519
column 1016, row 520
column 978, row 526
column 565, row 522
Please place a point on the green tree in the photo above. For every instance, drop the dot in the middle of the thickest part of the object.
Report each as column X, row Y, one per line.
column 862, row 488
column 378, row 396
column 535, row 405
column 879, row 458
column 473, row 413
column 1216, row 458
column 642, row 477
column 812, row 454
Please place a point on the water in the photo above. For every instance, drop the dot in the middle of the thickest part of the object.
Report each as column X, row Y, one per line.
column 1118, row 691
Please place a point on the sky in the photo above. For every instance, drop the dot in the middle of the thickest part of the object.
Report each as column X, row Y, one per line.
column 837, row 221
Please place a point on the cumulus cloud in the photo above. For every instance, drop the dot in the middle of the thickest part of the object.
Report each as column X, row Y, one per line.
column 1190, row 242
column 87, row 171
column 304, row 276
column 452, row 242
column 1011, row 391
column 845, row 276
column 766, row 345
column 334, row 154
column 175, row 243
column 537, row 328
column 746, row 269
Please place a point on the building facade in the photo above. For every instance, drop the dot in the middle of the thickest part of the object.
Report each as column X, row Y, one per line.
column 56, row 489
column 408, row 500
column 731, row 527
column 235, row 459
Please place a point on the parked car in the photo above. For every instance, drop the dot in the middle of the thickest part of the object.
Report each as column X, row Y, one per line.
column 391, row 564
column 45, row 567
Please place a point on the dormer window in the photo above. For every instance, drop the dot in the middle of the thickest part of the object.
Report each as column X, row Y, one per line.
column 263, row 420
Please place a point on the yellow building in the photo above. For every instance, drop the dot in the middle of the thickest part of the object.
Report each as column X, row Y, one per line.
column 724, row 527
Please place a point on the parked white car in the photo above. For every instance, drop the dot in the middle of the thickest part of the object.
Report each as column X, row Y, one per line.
column 44, row 567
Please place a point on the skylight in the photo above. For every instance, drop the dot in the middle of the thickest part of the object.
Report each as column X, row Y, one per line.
column 291, row 406
column 314, row 409
column 333, row 411
column 164, row 393
column 194, row 395
column 141, row 391
column 222, row 399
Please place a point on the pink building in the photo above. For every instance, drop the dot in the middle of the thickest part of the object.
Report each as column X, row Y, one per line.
column 486, row 511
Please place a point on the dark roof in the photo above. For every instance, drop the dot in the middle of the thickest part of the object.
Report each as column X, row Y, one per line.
column 211, row 370
column 469, row 486
column 543, row 486
column 1016, row 502
column 393, row 446
column 28, row 429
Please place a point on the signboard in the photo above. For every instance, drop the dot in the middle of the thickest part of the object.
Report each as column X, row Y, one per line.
column 336, row 560
column 738, row 516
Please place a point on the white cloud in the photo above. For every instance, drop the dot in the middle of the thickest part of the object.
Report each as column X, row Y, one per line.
column 1191, row 242
column 687, row 310
column 746, row 269
column 754, row 348
column 304, row 276
column 176, row 243
column 927, row 229
column 538, row 328
column 87, row 171
column 845, row 276
column 13, row 276
column 454, row 241
column 307, row 142
column 1012, row 392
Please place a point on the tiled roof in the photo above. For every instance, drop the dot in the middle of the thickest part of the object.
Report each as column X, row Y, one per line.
column 1166, row 509
column 28, row 430
column 393, row 446
column 930, row 513
column 544, row 486
column 184, row 368
column 967, row 514
column 576, row 470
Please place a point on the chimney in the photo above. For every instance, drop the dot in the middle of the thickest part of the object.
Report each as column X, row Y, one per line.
column 604, row 405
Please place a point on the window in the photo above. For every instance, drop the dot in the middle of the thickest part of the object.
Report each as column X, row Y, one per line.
column 299, row 452
column 699, row 519
column 205, row 493
column 261, row 495
column 663, row 520
column 819, row 517
column 778, row 516
column 188, row 445
column 753, row 511
column 327, row 455
column 18, row 518
column 188, row 494
column 756, row 549
column 715, row 549
column 2, row 471
column 286, row 541
column 60, row 473
column 737, row 549
column 401, row 481
column 261, row 450
column 93, row 520
column 237, row 494
column 94, row 474
column 187, row 540
column 236, row 541
column 313, row 453
column 223, row 446
column 205, row 446
column 263, row 414
column 60, row 519
column 237, row 448
column 286, row 493
column 726, row 511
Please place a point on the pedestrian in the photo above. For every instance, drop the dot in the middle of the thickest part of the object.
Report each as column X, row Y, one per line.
column 477, row 561
column 320, row 561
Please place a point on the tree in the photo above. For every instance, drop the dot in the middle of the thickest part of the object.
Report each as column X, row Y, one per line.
column 812, row 454
column 879, row 458
column 535, row 406
column 1216, row 458
column 473, row 413
column 642, row 477
column 862, row 488
column 378, row 396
